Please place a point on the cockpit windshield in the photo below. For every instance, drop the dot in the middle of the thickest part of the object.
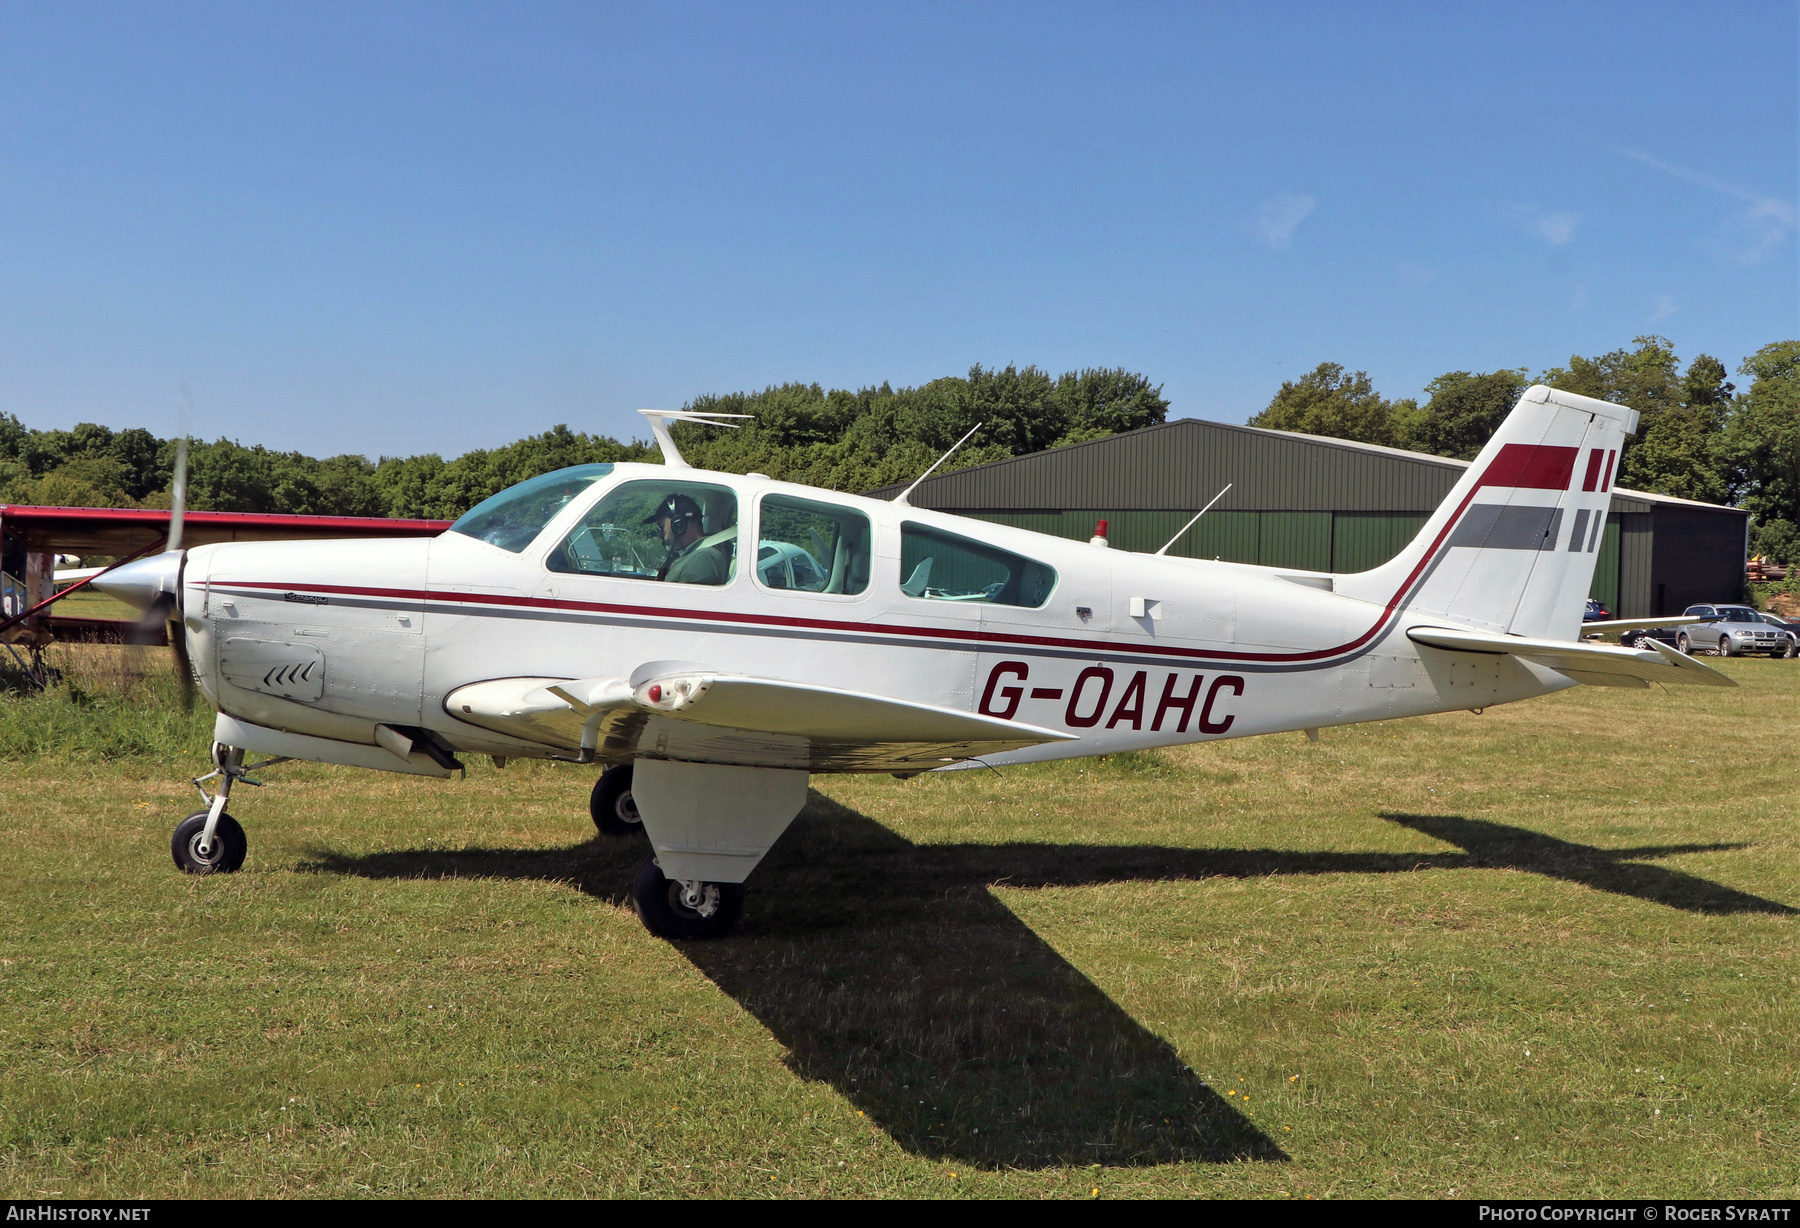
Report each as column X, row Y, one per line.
column 515, row 516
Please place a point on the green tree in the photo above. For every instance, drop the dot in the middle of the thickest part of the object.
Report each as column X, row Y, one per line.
column 1464, row 409
column 1327, row 401
column 1761, row 439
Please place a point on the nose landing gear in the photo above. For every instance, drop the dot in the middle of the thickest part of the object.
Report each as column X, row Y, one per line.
column 210, row 841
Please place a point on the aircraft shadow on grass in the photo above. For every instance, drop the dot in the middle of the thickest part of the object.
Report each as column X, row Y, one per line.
column 890, row 971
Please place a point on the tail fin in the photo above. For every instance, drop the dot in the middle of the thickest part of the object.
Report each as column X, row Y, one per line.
column 1512, row 548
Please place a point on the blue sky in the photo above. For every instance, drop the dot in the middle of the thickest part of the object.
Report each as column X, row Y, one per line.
column 393, row 228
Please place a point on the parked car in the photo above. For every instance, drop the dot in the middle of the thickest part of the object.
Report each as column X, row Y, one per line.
column 1731, row 630
column 1596, row 611
column 1786, row 624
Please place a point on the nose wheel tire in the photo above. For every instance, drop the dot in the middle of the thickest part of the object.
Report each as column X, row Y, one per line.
column 615, row 811
column 224, row 856
column 671, row 908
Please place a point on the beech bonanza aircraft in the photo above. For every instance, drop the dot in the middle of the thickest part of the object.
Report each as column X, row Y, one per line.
column 710, row 639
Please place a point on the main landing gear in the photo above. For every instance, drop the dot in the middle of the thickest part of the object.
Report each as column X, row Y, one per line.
column 612, row 805
column 210, row 841
column 684, row 908
column 669, row 908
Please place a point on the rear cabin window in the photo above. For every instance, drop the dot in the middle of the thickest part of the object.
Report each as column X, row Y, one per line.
column 622, row 535
column 812, row 547
column 939, row 566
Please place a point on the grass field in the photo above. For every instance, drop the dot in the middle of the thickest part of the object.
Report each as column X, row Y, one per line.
column 1545, row 951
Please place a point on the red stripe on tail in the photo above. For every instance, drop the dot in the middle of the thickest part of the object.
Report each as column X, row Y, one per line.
column 1593, row 470
column 1533, row 466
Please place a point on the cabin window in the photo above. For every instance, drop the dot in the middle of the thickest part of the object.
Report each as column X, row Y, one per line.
column 513, row 518
column 679, row 532
column 939, row 566
column 811, row 547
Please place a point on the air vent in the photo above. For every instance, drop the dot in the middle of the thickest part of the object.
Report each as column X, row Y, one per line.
column 274, row 667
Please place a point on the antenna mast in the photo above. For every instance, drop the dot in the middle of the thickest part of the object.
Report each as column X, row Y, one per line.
column 901, row 497
column 1190, row 524
column 659, row 427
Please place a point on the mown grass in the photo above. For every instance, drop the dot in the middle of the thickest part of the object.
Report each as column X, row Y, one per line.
column 1545, row 951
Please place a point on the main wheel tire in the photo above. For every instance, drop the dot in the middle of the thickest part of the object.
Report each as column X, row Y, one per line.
column 615, row 811
column 1684, row 645
column 1724, row 645
column 658, row 902
column 228, row 845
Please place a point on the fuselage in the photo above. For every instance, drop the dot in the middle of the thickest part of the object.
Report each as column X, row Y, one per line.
column 1124, row 650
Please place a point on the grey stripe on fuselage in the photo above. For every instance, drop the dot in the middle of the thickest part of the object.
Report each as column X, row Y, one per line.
column 1503, row 526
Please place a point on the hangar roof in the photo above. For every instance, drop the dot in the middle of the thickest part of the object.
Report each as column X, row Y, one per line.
column 1177, row 466
column 110, row 530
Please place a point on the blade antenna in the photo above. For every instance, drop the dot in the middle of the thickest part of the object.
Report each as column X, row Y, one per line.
column 901, row 497
column 1190, row 524
column 659, row 427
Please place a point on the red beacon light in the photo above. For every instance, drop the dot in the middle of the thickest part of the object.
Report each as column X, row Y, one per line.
column 1099, row 537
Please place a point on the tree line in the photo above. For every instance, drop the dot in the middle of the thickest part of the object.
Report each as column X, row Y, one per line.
column 835, row 438
column 1699, row 436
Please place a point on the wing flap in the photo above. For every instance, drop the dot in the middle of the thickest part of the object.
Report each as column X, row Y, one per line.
column 1581, row 660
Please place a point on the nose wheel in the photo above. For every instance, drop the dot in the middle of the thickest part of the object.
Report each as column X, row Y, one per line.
column 210, row 841
column 684, row 908
column 196, row 854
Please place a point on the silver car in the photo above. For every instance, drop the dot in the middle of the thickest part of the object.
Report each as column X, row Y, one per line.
column 1732, row 630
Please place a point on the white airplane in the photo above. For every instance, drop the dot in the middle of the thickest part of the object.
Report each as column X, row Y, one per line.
column 617, row 615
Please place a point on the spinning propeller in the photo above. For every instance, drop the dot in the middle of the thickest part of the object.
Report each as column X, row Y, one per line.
column 163, row 615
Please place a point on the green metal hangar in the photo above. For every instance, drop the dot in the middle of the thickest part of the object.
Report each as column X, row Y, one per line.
column 1304, row 501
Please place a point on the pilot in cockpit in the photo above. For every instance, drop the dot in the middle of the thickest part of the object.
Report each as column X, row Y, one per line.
column 678, row 518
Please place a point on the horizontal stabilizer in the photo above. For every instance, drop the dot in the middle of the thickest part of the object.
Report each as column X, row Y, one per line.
column 724, row 718
column 1613, row 628
column 1584, row 662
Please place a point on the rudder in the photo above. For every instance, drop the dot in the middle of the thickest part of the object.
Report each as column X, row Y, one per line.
column 1512, row 548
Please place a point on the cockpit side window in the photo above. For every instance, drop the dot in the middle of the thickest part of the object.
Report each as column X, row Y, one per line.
column 939, row 566
column 679, row 532
column 812, row 547
column 513, row 518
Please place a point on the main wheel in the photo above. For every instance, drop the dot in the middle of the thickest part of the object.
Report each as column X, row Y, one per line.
column 225, row 855
column 672, row 909
column 1724, row 645
column 1684, row 645
column 614, row 809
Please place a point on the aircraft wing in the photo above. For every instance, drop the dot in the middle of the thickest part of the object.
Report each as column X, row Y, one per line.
column 705, row 717
column 1593, row 664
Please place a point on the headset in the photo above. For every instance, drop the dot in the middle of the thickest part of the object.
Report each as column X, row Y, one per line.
column 680, row 511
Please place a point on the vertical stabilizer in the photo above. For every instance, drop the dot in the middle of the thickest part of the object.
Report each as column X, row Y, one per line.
column 1512, row 548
